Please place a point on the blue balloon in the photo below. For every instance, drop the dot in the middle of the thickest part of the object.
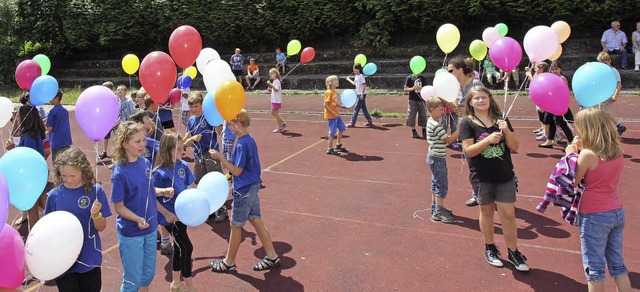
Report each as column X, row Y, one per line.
column 43, row 90
column 593, row 83
column 348, row 97
column 184, row 81
column 216, row 187
column 26, row 173
column 192, row 207
column 210, row 111
column 369, row 69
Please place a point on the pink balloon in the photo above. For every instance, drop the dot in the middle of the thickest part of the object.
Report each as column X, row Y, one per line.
column 428, row 91
column 174, row 95
column 506, row 53
column 489, row 35
column 550, row 93
column 540, row 43
column 26, row 72
column 12, row 255
column 97, row 111
column 4, row 200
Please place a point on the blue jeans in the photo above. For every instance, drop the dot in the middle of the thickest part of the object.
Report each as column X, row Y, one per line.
column 245, row 206
column 601, row 242
column 138, row 256
column 439, row 176
column 623, row 56
column 361, row 104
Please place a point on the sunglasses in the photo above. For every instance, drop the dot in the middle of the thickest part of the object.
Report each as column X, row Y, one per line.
column 450, row 70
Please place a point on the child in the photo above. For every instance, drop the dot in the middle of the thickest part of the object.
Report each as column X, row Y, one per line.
column 488, row 141
column 246, row 204
column 556, row 68
column 228, row 139
column 165, row 113
column 332, row 115
column 152, row 112
column 58, row 127
column 236, row 61
column 413, row 84
column 361, row 91
column 253, row 73
column 275, row 88
column 493, row 76
column 152, row 145
column 551, row 121
column 77, row 193
column 184, row 106
column 281, row 61
column 602, row 219
column 172, row 172
column 438, row 139
column 606, row 106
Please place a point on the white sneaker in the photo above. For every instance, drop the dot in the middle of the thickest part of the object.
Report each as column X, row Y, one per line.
column 541, row 138
column 637, row 68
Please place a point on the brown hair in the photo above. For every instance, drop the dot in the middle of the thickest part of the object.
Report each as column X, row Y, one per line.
column 434, row 102
column 195, row 97
column 494, row 109
column 459, row 62
column 124, row 133
column 76, row 158
column 168, row 144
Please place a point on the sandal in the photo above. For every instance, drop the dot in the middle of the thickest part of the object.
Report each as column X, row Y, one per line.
column 219, row 266
column 178, row 288
column 267, row 264
column 341, row 148
column 332, row 151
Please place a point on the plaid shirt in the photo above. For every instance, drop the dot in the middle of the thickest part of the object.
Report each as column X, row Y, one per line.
column 614, row 40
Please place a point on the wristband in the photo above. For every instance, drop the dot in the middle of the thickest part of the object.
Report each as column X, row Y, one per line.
column 97, row 216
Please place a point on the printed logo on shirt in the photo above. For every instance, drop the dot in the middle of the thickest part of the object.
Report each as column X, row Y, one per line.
column 203, row 123
column 148, row 173
column 181, row 173
column 83, row 202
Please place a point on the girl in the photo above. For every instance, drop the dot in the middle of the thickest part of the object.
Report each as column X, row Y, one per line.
column 77, row 193
column 361, row 91
column 550, row 120
column 275, row 87
column 170, row 171
column 488, row 141
column 601, row 215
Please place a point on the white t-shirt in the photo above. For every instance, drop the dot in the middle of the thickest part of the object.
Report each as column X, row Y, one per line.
column 183, row 100
column 276, row 96
column 359, row 81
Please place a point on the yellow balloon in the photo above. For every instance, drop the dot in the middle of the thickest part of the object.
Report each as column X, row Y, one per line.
column 557, row 54
column 130, row 64
column 478, row 50
column 448, row 37
column 191, row 71
column 230, row 99
column 562, row 29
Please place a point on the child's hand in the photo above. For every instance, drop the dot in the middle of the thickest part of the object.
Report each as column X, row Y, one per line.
column 503, row 126
column 95, row 208
column 197, row 138
column 494, row 138
column 168, row 192
column 142, row 224
column 9, row 144
column 215, row 154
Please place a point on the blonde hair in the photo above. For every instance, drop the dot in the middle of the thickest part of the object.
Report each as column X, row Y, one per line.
column 329, row 80
column 168, row 144
column 243, row 118
column 598, row 133
column 603, row 57
column 434, row 102
column 494, row 109
column 274, row 70
column 124, row 133
column 76, row 158
column 195, row 97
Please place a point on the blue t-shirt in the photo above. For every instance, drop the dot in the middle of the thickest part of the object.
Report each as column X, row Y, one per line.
column 280, row 58
column 133, row 185
column 58, row 119
column 165, row 115
column 199, row 125
column 246, row 157
column 227, row 134
column 152, row 150
column 237, row 61
column 78, row 202
column 126, row 109
column 36, row 143
column 180, row 177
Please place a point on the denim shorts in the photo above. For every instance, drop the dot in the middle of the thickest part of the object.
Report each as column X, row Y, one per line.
column 439, row 176
column 601, row 243
column 245, row 206
column 336, row 124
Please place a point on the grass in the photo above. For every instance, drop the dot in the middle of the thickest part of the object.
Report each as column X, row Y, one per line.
column 69, row 98
column 378, row 113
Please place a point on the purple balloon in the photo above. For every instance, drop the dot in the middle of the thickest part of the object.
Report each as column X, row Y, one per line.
column 97, row 111
column 4, row 201
column 550, row 93
column 506, row 53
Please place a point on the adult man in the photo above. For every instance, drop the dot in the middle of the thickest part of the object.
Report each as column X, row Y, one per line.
column 614, row 41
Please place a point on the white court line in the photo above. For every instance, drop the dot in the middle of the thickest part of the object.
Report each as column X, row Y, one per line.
column 334, row 177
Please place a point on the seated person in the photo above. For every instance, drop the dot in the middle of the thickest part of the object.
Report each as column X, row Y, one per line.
column 254, row 74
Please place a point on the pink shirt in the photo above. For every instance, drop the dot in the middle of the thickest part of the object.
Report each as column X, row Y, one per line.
column 601, row 191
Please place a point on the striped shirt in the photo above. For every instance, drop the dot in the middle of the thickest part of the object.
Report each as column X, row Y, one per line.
column 435, row 135
column 614, row 40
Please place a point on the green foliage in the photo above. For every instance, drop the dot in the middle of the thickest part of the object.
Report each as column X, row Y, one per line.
column 9, row 45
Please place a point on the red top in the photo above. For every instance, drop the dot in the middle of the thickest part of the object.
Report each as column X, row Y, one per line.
column 601, row 191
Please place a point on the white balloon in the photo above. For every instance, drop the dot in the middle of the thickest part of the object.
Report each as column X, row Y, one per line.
column 206, row 56
column 6, row 110
column 489, row 35
column 428, row 91
column 53, row 245
column 447, row 86
column 216, row 188
column 217, row 71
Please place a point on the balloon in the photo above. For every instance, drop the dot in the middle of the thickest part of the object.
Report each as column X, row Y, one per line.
column 26, row 72
column 97, row 111
column 6, row 110
column 550, row 93
column 174, row 95
column 502, row 29
column 417, row 64
column 348, row 97
column 53, row 245
column 478, row 50
column 448, row 37
column 158, row 75
column 25, row 172
column 191, row 72
column 230, row 98
column 12, row 255
column 446, row 86
column 44, row 62
column 557, row 54
column 307, row 55
column 293, row 47
column 428, row 91
column 43, row 90
column 192, row 207
column 506, row 53
column 185, row 45
column 593, row 83
column 184, row 81
column 370, row 69
column 130, row 64
column 489, row 35
column 562, row 29
column 540, row 43
column 360, row 59
column 216, row 188
column 441, row 70
column 217, row 72
column 4, row 201
column 206, row 56
column 212, row 116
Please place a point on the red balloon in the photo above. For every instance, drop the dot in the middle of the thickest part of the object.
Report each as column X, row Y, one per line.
column 158, row 75
column 174, row 95
column 185, row 45
column 26, row 72
column 307, row 55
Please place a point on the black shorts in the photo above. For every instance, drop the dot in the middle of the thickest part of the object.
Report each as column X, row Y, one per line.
column 89, row 281
column 237, row 73
column 168, row 124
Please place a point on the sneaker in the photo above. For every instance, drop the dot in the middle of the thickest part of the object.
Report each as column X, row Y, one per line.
column 368, row 124
column 278, row 130
column 350, row 125
column 247, row 88
column 637, row 68
column 472, row 202
column 443, row 216
column 222, row 215
column 538, row 130
column 103, row 155
column 252, row 88
column 518, row 260
column 166, row 249
column 559, row 138
column 492, row 255
column 621, row 129
column 541, row 138
column 433, row 208
column 415, row 135
column 332, row 151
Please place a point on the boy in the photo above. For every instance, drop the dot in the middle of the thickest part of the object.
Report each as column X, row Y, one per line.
column 253, row 74
column 152, row 111
column 438, row 139
column 58, row 127
column 413, row 85
column 333, row 116
column 246, row 204
column 604, row 57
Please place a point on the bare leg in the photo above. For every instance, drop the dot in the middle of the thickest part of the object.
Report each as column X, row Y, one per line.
column 234, row 244
column 486, row 222
column 265, row 238
column 507, row 213
column 339, row 137
column 622, row 283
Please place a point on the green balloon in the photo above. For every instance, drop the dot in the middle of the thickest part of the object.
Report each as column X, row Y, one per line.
column 441, row 70
column 502, row 29
column 293, row 47
column 44, row 62
column 478, row 50
column 417, row 64
column 360, row 59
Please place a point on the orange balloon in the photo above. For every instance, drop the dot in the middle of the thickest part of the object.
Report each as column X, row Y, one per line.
column 557, row 54
column 562, row 29
column 230, row 98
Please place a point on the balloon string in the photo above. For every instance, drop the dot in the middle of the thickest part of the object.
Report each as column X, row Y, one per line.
column 2, row 141
column 481, row 69
column 296, row 66
column 444, row 62
column 526, row 78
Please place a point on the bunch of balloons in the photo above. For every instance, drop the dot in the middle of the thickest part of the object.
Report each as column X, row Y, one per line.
column 32, row 75
column 367, row 68
column 307, row 55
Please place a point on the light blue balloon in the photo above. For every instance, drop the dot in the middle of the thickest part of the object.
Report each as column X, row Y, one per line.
column 370, row 69
column 192, row 207
column 348, row 97
column 43, row 90
column 593, row 83
column 210, row 110
column 26, row 173
column 216, row 188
